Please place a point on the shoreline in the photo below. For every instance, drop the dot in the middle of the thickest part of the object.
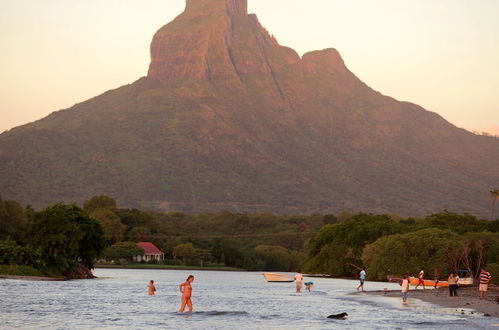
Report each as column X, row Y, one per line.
column 468, row 299
column 31, row 278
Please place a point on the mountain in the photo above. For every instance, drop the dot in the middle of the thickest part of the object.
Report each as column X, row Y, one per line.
column 227, row 118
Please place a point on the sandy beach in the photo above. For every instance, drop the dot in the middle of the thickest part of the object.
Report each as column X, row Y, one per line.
column 468, row 298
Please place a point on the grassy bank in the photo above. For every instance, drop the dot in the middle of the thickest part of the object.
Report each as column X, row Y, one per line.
column 28, row 271
column 171, row 267
column 19, row 270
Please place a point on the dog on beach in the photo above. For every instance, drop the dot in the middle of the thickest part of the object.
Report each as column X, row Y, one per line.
column 340, row 316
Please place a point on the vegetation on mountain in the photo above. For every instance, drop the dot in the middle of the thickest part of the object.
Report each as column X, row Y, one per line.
column 229, row 119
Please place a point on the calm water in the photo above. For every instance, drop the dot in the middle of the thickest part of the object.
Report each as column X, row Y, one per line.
column 222, row 300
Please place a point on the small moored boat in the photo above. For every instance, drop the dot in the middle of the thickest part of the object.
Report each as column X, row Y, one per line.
column 414, row 281
column 273, row 277
column 462, row 282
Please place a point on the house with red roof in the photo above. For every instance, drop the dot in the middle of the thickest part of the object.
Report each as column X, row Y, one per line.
column 151, row 252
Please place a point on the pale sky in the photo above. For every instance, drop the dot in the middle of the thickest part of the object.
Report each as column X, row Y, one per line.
column 440, row 54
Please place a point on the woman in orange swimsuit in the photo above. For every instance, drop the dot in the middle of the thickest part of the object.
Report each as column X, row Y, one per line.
column 186, row 290
column 151, row 288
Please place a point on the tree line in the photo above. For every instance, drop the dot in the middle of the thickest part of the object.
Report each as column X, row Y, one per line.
column 445, row 241
column 60, row 237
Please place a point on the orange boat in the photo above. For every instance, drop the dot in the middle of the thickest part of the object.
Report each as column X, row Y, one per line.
column 414, row 281
column 462, row 282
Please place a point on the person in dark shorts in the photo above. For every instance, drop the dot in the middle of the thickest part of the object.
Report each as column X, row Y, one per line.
column 452, row 280
column 362, row 278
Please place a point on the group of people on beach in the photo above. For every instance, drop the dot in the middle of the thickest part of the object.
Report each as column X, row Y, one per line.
column 484, row 279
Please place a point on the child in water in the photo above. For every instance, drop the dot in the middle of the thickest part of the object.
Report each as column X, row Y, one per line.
column 309, row 285
column 186, row 290
column 151, row 288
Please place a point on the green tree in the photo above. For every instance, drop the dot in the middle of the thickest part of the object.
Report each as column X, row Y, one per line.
column 114, row 230
column 493, row 268
column 184, row 251
column 93, row 242
column 404, row 254
column 276, row 257
column 13, row 220
column 492, row 254
column 13, row 254
column 170, row 244
column 66, row 235
column 138, row 234
column 100, row 203
column 137, row 218
column 226, row 251
column 336, row 249
column 122, row 250
column 474, row 249
column 460, row 223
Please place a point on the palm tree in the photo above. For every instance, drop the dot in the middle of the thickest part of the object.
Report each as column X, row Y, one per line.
column 494, row 195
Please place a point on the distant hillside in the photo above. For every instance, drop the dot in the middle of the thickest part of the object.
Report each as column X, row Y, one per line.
column 229, row 119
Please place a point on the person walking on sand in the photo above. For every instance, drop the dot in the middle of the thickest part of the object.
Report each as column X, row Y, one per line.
column 151, row 288
column 436, row 277
column 298, row 280
column 421, row 278
column 186, row 290
column 404, row 288
column 485, row 279
column 362, row 278
column 452, row 280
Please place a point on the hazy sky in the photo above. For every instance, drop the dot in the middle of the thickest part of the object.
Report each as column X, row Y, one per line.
column 440, row 54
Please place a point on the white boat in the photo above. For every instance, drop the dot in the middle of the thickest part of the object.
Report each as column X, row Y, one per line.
column 273, row 277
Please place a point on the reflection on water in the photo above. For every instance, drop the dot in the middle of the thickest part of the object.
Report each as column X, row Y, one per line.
column 222, row 300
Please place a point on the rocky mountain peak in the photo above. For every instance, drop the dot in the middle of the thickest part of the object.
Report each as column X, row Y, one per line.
column 231, row 7
column 216, row 41
column 324, row 61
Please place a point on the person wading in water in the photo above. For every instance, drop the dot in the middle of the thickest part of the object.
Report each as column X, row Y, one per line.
column 186, row 290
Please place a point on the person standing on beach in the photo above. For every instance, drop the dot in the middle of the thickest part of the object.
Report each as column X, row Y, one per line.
column 485, row 279
column 404, row 289
column 421, row 278
column 452, row 280
column 186, row 290
column 298, row 280
column 362, row 278
column 151, row 288
column 436, row 277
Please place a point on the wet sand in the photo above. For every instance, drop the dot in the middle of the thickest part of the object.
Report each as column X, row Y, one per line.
column 468, row 298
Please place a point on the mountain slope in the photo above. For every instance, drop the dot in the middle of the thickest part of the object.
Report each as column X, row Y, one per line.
column 228, row 118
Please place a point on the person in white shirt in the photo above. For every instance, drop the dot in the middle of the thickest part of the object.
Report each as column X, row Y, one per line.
column 421, row 278
column 404, row 289
column 362, row 278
